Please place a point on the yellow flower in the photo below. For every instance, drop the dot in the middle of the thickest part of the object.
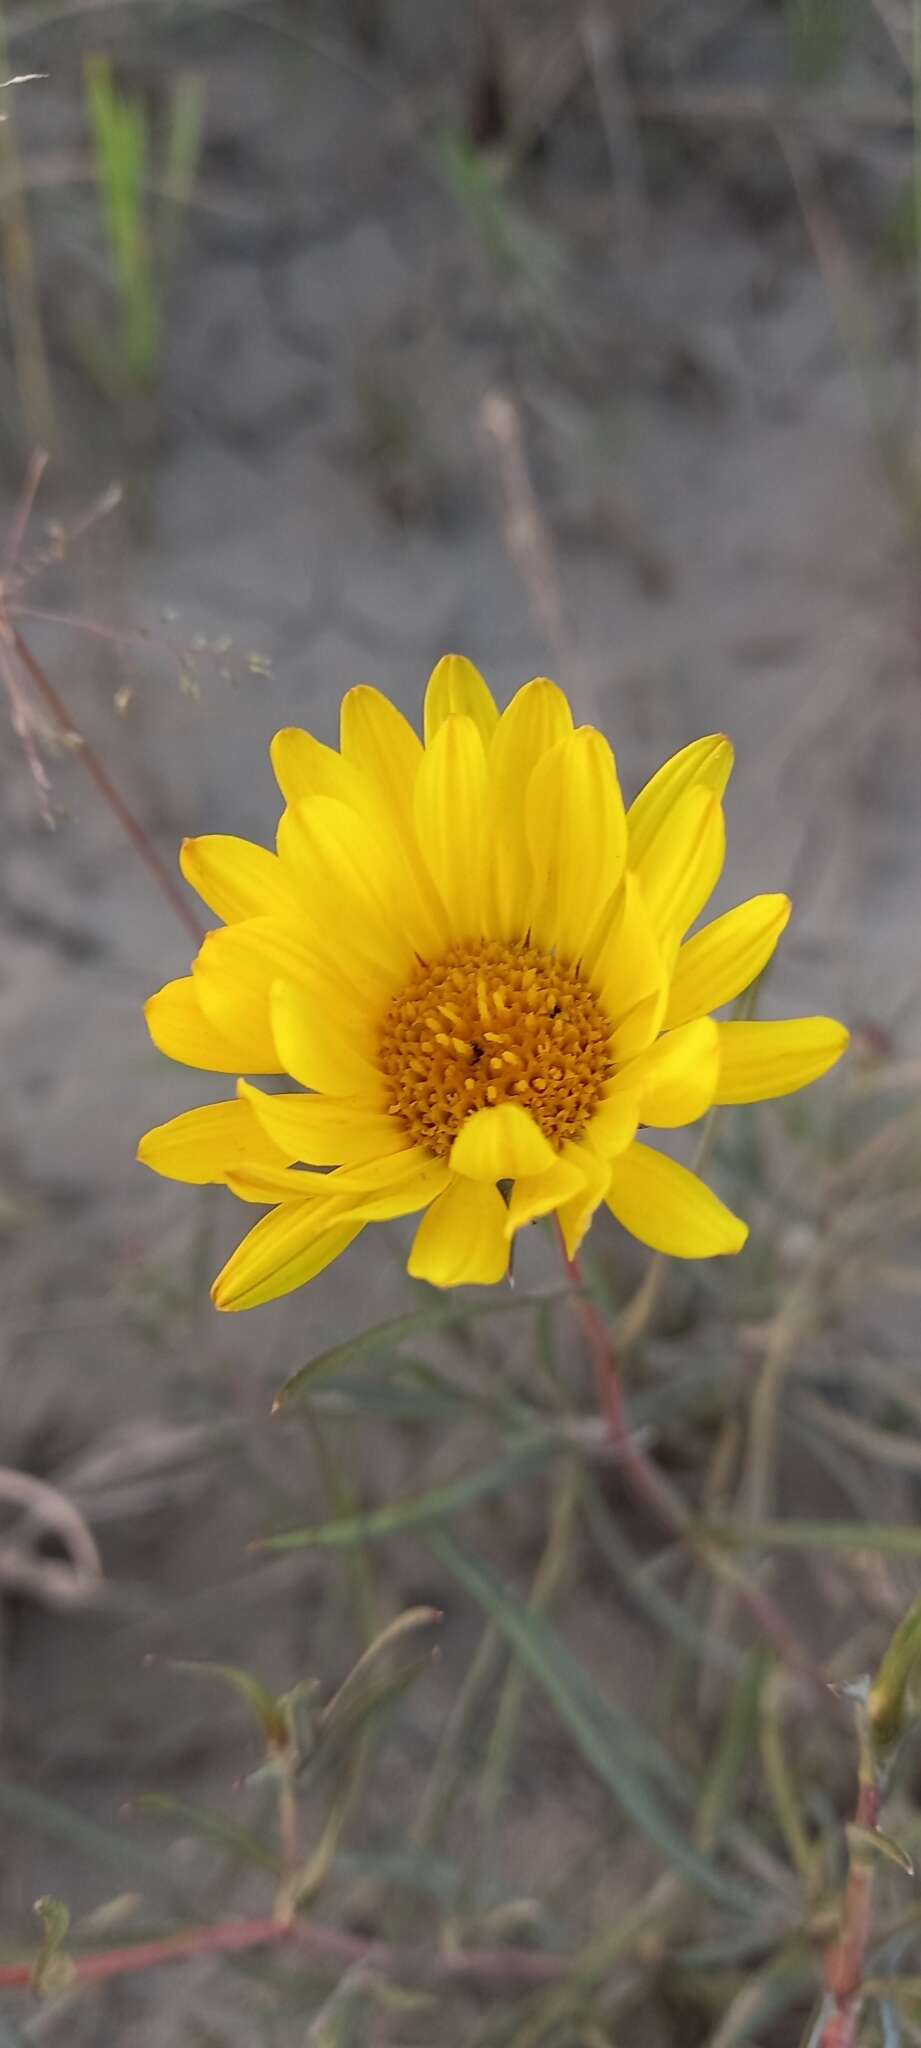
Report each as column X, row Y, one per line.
column 473, row 962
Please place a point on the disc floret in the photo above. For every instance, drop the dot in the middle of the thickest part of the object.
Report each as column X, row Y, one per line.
column 494, row 1022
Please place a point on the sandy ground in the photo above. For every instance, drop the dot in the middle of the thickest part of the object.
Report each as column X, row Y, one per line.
column 323, row 480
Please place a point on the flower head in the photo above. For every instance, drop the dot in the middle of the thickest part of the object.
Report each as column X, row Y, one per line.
column 474, row 964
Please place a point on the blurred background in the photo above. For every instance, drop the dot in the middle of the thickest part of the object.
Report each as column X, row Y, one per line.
column 584, row 339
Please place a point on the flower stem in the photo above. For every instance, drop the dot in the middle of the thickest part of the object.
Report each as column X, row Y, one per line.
column 844, row 1963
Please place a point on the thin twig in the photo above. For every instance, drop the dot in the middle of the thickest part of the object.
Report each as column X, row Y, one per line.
column 526, row 535
column 21, row 722
column 100, row 776
column 38, row 463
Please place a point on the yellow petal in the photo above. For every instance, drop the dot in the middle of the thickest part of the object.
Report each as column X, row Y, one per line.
column 577, row 837
column 537, row 1194
column 640, row 1027
column 627, row 967
column 352, row 884
column 305, row 767
column 706, row 763
column 380, row 742
column 206, row 1144
column 682, row 867
column 759, row 1061
column 377, row 738
column 720, row 961
column 667, row 1207
column 461, row 1240
column 613, row 1126
column 499, row 1144
column 537, row 717
column 318, row 1042
column 455, row 685
column 675, row 1081
column 387, row 1192
column 451, row 822
column 575, row 1215
column 235, row 878
column 326, row 1130
column 264, row 1184
column 378, row 1176
column 284, row 1250
column 179, row 1027
column 233, row 976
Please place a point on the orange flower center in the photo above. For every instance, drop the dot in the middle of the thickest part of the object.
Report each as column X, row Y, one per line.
column 494, row 1022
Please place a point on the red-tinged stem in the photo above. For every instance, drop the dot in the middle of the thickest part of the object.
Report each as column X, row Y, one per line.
column 99, row 775
column 844, row 1964
column 232, row 1937
column 650, row 1487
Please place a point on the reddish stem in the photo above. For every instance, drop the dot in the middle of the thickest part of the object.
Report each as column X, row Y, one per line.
column 99, row 775
column 231, row 1937
column 844, row 1963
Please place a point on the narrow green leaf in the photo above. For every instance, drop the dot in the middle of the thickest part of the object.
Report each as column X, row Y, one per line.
column 386, row 1337
column 377, row 1693
column 100, row 1845
column 890, row 1692
column 767, row 1996
column 520, row 1463
column 261, row 1702
column 737, row 1744
column 893, row 1538
column 52, row 1971
column 624, row 1757
column 405, row 1624
column 668, row 1613
column 872, row 1842
column 405, row 1387
column 212, row 1827
column 400, row 1400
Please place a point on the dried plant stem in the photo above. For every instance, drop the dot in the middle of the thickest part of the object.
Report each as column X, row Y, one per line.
column 527, row 536
column 232, row 1937
column 650, row 1487
column 100, row 777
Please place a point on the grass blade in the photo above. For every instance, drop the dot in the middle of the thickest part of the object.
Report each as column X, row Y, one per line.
column 623, row 1756
column 522, row 1462
column 386, row 1337
column 236, row 1841
column 669, row 1614
column 102, row 1845
column 894, row 1539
